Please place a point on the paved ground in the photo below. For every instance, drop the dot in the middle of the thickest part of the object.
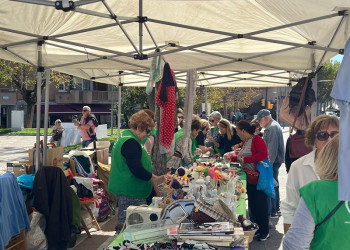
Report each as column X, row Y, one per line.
column 15, row 148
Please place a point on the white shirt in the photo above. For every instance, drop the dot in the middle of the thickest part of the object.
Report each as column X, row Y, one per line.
column 302, row 172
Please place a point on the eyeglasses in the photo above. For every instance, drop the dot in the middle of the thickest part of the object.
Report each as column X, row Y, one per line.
column 212, row 120
column 323, row 136
column 85, row 110
column 180, row 117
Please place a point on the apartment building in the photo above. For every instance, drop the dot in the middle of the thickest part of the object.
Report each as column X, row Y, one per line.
column 65, row 100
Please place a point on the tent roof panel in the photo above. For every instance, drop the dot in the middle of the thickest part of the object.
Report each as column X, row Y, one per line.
column 206, row 32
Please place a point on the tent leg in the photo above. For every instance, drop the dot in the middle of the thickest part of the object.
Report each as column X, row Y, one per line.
column 46, row 113
column 119, row 106
column 112, row 104
column 38, row 105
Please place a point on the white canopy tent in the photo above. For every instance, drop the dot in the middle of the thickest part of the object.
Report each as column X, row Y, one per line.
column 233, row 43
column 239, row 39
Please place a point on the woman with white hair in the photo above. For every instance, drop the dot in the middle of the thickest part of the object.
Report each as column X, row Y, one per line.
column 57, row 132
column 321, row 220
column 214, row 133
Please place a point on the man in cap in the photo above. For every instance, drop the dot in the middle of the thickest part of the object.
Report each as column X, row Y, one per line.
column 273, row 138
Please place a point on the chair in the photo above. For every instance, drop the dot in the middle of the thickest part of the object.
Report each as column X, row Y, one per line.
column 85, row 204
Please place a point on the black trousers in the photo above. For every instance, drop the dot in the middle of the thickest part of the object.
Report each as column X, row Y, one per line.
column 257, row 202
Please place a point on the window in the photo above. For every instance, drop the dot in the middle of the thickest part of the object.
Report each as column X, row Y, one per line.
column 62, row 88
column 82, row 84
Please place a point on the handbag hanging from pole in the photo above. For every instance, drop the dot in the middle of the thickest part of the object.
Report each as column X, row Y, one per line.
column 297, row 147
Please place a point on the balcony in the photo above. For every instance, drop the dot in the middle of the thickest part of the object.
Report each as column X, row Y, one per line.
column 87, row 97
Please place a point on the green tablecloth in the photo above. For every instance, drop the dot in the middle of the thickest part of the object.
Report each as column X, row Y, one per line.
column 241, row 208
column 241, row 205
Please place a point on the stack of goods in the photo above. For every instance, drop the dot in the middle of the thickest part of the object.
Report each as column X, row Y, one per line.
column 218, row 234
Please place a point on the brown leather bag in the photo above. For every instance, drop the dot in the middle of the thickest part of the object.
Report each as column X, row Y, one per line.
column 297, row 147
column 301, row 122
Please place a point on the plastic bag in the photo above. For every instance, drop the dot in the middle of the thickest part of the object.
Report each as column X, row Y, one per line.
column 266, row 181
column 36, row 239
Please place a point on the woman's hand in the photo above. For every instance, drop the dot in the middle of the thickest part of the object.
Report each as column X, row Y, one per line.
column 198, row 151
column 227, row 157
column 236, row 146
column 210, row 138
column 241, row 160
column 158, row 179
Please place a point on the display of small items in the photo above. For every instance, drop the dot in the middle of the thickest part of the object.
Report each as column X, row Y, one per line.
column 207, row 180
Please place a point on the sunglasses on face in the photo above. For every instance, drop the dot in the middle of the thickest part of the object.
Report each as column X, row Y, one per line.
column 180, row 117
column 212, row 120
column 323, row 136
column 148, row 130
column 85, row 110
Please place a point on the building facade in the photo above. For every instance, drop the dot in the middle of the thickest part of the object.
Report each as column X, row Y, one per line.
column 65, row 101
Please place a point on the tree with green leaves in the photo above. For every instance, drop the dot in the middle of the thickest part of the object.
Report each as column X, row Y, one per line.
column 22, row 78
column 325, row 80
column 133, row 99
column 225, row 99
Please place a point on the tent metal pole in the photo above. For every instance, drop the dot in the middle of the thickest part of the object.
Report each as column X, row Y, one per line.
column 192, row 46
column 46, row 118
column 52, row 4
column 91, row 47
column 331, row 41
column 291, row 43
column 140, row 26
column 314, row 87
column 20, row 32
column 38, row 105
column 150, row 34
column 25, row 60
column 293, row 24
column 6, row 46
column 89, row 29
column 206, row 100
column 132, row 64
column 124, row 74
column 243, row 59
column 120, row 25
column 275, row 67
column 245, row 79
column 234, row 34
column 119, row 106
column 112, row 104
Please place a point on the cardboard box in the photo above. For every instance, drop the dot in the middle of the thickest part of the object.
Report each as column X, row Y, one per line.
column 102, row 155
column 29, row 167
column 16, row 168
column 54, row 156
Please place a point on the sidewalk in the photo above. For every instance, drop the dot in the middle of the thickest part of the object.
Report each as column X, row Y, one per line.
column 14, row 149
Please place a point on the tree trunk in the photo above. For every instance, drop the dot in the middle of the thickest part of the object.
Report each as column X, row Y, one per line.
column 126, row 119
column 150, row 100
column 29, row 116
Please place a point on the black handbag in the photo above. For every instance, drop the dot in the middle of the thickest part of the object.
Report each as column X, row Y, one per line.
column 82, row 191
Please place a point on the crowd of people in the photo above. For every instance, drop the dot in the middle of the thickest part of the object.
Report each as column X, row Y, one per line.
column 312, row 179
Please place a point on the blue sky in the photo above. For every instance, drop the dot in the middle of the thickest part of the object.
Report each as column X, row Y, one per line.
column 338, row 58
